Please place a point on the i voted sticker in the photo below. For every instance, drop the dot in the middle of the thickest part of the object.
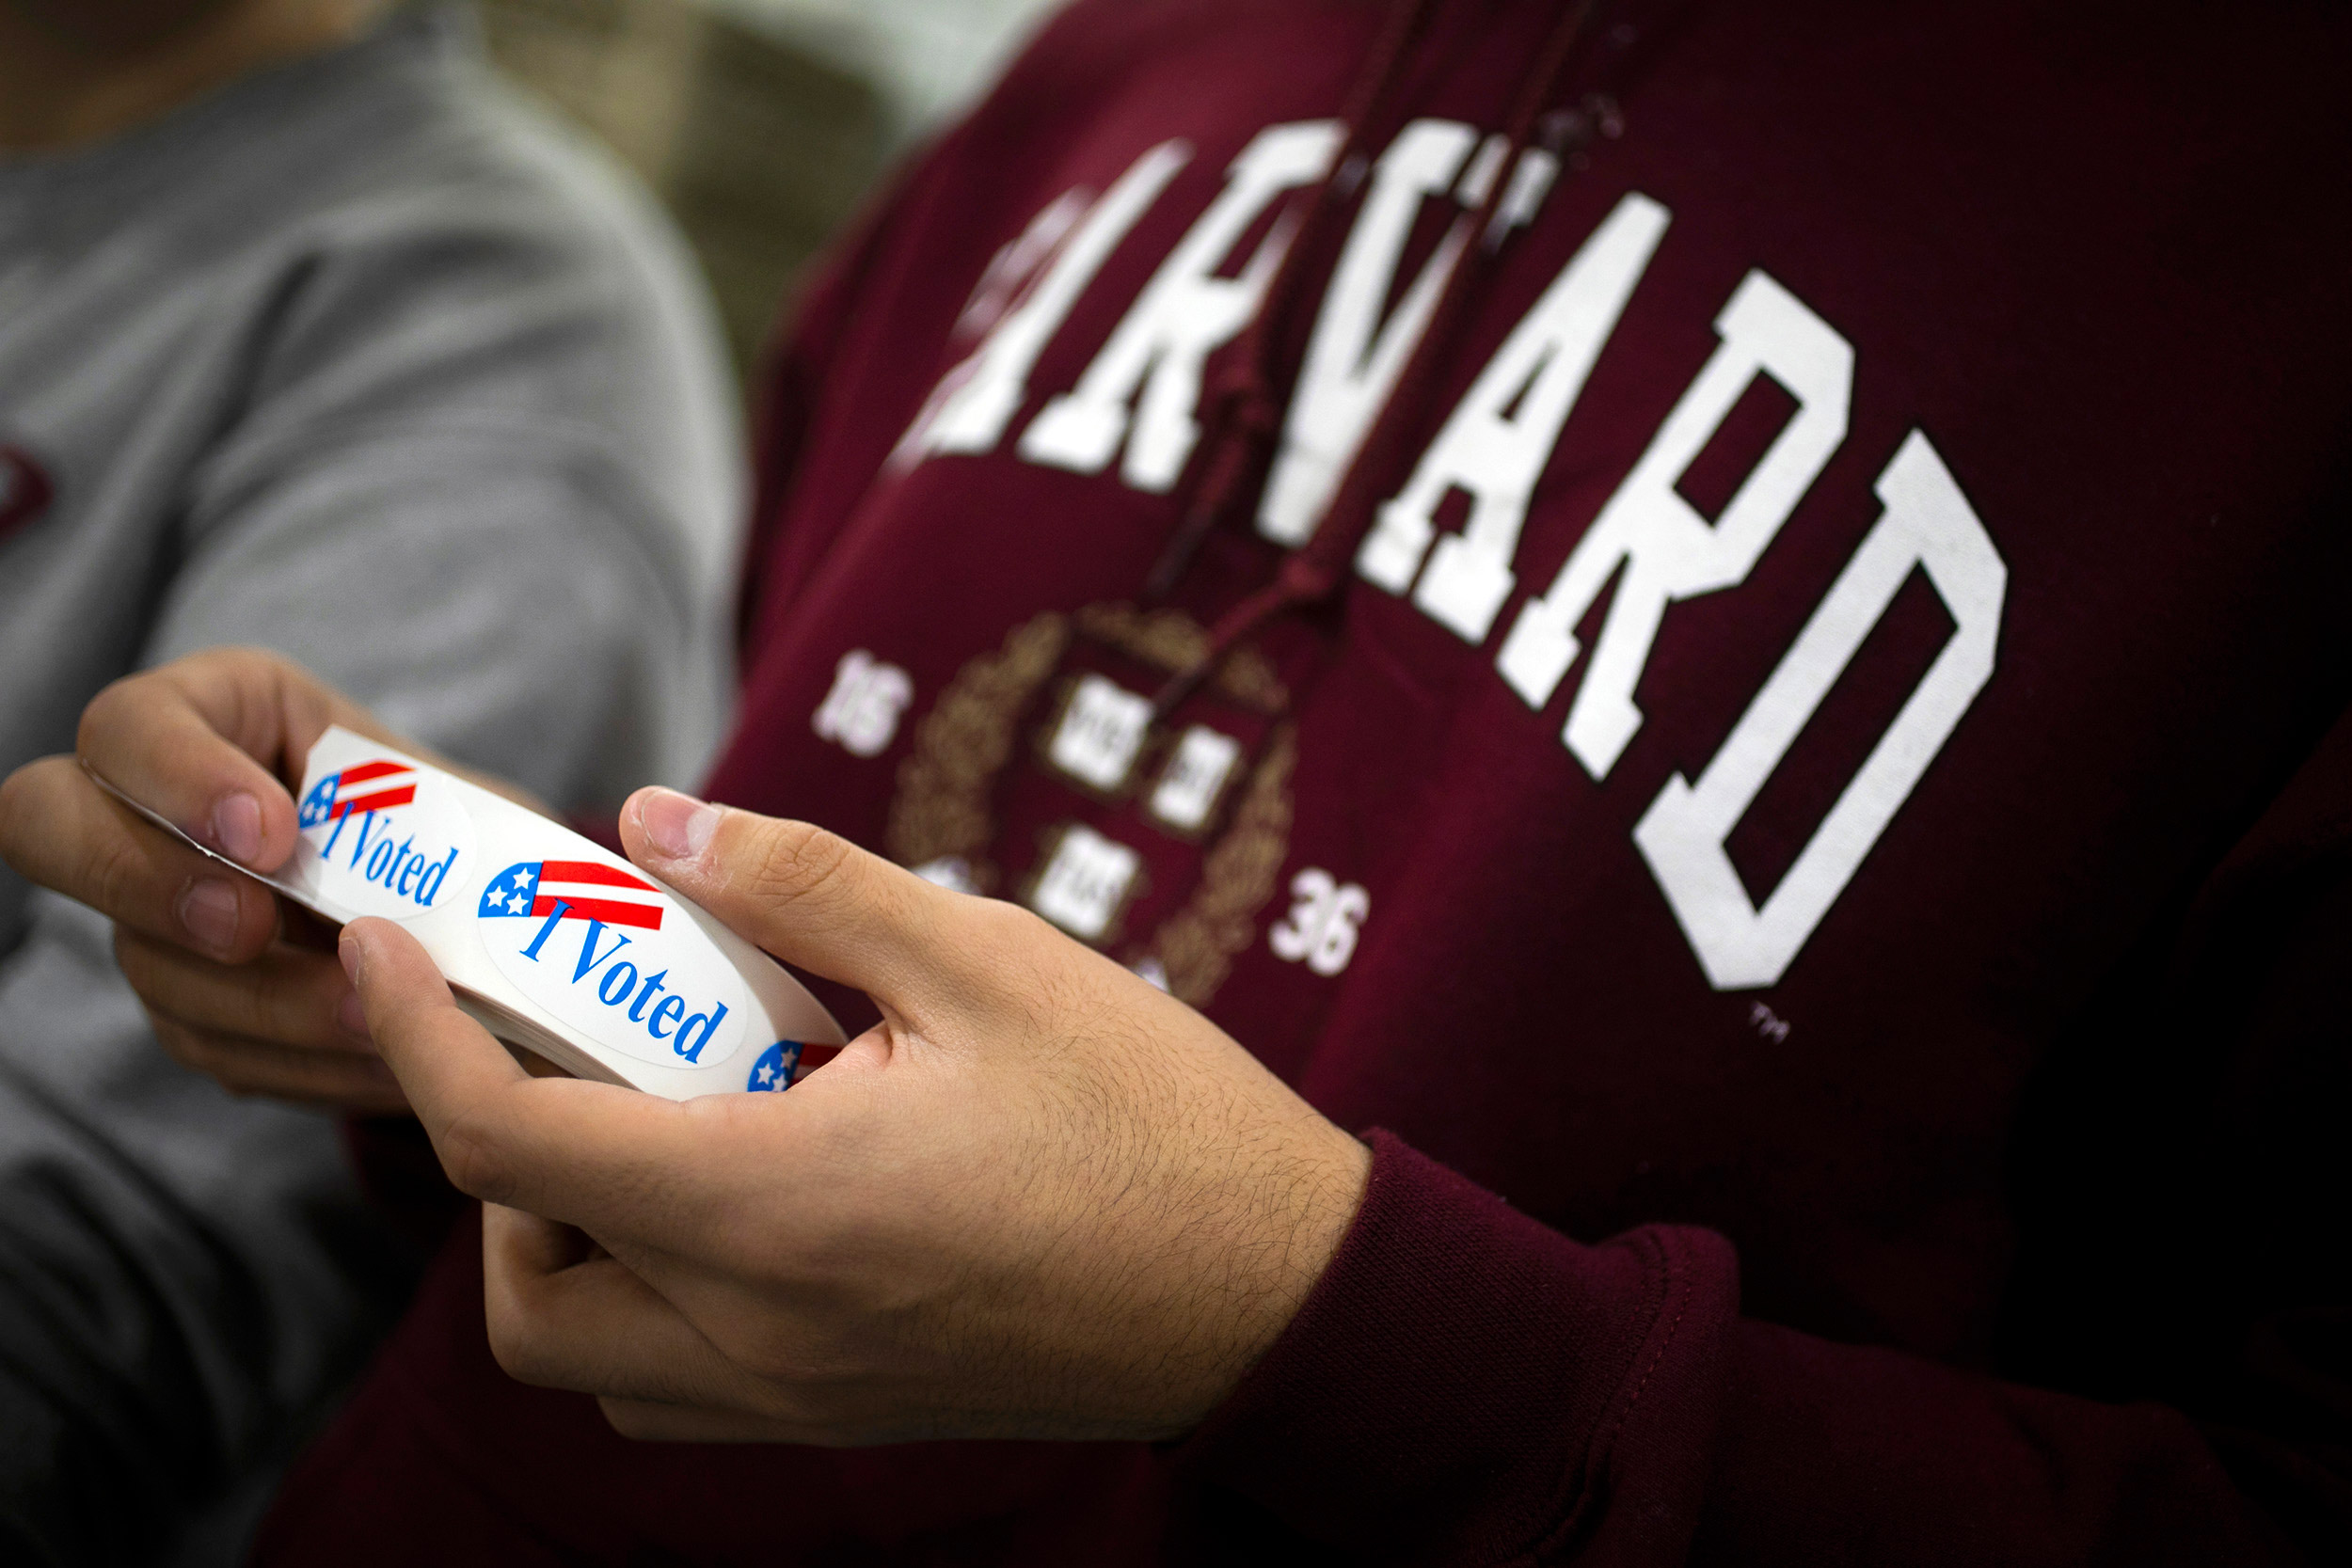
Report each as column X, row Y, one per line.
column 612, row 956
column 391, row 838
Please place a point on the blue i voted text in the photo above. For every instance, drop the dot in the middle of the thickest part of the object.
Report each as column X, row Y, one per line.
column 621, row 989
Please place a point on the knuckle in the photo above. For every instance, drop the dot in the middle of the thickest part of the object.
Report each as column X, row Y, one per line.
column 215, row 1058
column 799, row 861
column 182, row 1044
column 111, row 875
column 1010, row 928
column 513, row 1340
column 1021, row 951
column 257, row 1002
column 100, row 714
column 265, row 1002
column 633, row 1421
column 136, row 959
column 231, row 657
column 231, row 664
column 473, row 1160
column 223, row 1061
column 250, row 1085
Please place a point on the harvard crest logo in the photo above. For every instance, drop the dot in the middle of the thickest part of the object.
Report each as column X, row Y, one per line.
column 1199, row 793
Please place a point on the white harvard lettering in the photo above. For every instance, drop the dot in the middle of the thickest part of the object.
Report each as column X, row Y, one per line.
column 1667, row 549
column 1142, row 393
column 1497, row 443
column 1153, row 359
column 1348, row 371
column 1927, row 523
column 974, row 401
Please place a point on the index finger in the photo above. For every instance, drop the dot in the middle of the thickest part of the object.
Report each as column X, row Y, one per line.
column 618, row 1164
column 196, row 741
column 58, row 829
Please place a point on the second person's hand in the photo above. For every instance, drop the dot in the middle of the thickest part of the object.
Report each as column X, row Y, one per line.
column 236, row 986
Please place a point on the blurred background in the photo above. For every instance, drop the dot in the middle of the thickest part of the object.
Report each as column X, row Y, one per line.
column 759, row 122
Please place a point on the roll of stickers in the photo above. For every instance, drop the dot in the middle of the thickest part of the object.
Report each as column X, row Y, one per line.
column 548, row 940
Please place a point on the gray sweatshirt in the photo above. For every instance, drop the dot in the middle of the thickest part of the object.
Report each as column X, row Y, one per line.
column 361, row 360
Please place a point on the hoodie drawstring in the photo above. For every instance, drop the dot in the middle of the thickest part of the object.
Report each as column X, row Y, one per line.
column 1243, row 408
column 1244, row 413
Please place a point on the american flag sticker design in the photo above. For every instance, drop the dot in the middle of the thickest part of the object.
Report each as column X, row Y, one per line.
column 586, row 889
column 387, row 837
column 772, row 1073
column 365, row 786
column 608, row 953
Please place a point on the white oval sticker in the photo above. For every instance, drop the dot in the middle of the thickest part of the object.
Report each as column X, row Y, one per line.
column 391, row 838
column 605, row 950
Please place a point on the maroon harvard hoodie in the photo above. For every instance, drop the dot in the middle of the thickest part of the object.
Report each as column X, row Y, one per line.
column 1731, row 626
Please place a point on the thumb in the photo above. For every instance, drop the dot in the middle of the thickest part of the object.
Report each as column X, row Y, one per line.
column 810, row 898
column 611, row 1161
column 446, row 1062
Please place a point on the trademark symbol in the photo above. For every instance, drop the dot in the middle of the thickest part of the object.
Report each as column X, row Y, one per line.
column 1767, row 1024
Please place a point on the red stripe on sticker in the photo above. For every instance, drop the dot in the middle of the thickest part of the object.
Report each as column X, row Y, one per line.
column 591, row 871
column 383, row 799
column 366, row 771
column 612, row 912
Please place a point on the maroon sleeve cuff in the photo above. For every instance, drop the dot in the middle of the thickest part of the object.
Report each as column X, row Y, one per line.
column 1466, row 1385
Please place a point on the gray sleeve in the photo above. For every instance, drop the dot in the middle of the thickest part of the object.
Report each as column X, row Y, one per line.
column 489, row 483
column 483, row 479
column 509, row 596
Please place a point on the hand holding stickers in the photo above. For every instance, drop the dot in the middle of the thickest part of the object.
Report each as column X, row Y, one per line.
column 1040, row 1199
column 554, row 943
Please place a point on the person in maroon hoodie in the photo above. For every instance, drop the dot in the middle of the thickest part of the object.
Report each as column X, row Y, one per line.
column 1725, row 632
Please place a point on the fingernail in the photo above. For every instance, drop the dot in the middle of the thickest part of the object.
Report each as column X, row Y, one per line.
column 237, row 827
column 347, row 949
column 208, row 912
column 351, row 1017
column 678, row 825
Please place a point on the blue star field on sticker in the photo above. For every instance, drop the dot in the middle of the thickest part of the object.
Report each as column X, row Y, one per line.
column 772, row 1073
column 513, row 891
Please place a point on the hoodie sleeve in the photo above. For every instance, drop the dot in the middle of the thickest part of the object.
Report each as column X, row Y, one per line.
column 1467, row 1386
